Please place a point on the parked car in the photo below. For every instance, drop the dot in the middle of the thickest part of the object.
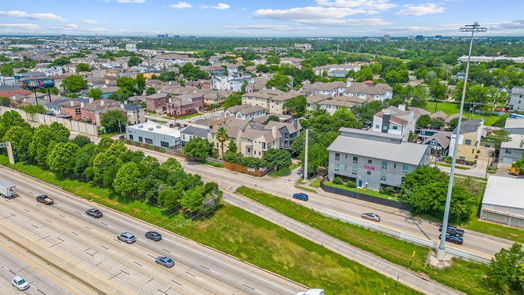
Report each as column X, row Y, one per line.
column 453, row 239
column 94, row 213
column 153, row 235
column 165, row 261
column 371, row 216
column 301, row 196
column 20, row 283
column 453, row 231
column 127, row 237
column 44, row 200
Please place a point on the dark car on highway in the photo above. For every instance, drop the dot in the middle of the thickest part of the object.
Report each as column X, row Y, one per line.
column 93, row 212
column 453, row 239
column 44, row 200
column 453, row 231
column 165, row 261
column 300, row 196
column 153, row 235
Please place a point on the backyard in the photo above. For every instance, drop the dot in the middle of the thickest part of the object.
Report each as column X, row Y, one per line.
column 450, row 108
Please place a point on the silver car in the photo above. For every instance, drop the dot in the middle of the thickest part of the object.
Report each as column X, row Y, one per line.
column 20, row 283
column 165, row 261
column 127, row 237
column 371, row 216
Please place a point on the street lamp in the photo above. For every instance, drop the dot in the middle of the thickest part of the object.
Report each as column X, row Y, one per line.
column 441, row 251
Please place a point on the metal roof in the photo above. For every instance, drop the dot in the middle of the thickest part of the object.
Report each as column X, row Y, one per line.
column 504, row 191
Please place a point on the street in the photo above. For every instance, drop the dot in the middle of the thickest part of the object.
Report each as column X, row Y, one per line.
column 91, row 245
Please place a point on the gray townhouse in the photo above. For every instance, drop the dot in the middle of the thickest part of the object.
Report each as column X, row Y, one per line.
column 516, row 99
column 374, row 160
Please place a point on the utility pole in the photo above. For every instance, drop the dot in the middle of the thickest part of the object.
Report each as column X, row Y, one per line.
column 306, row 154
column 441, row 251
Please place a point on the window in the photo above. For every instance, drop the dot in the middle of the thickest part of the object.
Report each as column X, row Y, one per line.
column 263, row 145
column 131, row 136
column 369, row 172
column 140, row 139
column 383, row 176
column 405, row 168
column 355, row 160
column 377, row 126
column 462, row 158
column 354, row 171
column 370, row 161
column 149, row 141
column 286, row 135
column 395, row 165
column 164, row 144
column 384, row 165
column 467, row 141
column 248, row 150
column 337, row 156
column 337, row 166
column 395, row 127
column 508, row 151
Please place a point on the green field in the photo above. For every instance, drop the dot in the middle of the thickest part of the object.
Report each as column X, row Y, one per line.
column 361, row 190
column 463, row 275
column 247, row 237
column 450, row 108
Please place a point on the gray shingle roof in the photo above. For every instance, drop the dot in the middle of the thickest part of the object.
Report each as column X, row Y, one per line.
column 469, row 126
column 195, row 131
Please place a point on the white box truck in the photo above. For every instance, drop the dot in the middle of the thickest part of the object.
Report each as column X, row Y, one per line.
column 7, row 190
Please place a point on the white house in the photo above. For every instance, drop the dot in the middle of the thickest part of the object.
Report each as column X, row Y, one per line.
column 154, row 134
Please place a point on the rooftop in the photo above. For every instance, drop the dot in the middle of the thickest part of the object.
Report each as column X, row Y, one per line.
column 504, row 191
column 514, row 123
column 470, row 126
column 517, row 142
column 153, row 127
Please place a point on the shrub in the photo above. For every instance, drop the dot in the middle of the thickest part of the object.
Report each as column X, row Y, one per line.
column 351, row 184
column 337, row 180
column 448, row 159
column 388, row 190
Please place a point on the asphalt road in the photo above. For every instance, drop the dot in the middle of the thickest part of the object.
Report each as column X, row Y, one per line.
column 81, row 240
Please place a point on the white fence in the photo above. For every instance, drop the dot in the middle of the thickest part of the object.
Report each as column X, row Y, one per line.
column 401, row 235
column 74, row 126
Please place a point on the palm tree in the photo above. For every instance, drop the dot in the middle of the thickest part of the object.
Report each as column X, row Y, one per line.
column 221, row 136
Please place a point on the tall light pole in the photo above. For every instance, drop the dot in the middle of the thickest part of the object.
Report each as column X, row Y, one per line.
column 441, row 251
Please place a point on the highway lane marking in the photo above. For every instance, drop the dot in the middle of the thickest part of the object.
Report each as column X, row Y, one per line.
column 75, row 233
column 190, row 274
column 104, row 247
column 176, row 282
column 166, row 250
column 78, row 201
column 137, row 263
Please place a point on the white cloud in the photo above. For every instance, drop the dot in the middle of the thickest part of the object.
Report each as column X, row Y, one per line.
column 181, row 5
column 38, row 16
column 324, row 16
column 219, row 6
column 68, row 27
column 90, row 21
column 98, row 29
column 270, row 27
column 366, row 4
column 32, row 27
column 422, row 9
column 131, row 1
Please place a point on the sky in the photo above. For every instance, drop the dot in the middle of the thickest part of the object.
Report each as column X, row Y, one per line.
column 253, row 18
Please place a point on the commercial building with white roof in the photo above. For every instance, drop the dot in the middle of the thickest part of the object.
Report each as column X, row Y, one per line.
column 154, row 134
column 503, row 201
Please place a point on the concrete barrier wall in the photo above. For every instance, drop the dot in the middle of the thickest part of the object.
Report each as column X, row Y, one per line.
column 73, row 126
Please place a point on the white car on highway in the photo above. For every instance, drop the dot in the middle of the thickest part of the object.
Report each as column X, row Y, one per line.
column 312, row 292
column 20, row 283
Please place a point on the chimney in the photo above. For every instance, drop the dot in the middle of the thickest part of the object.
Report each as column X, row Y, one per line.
column 274, row 131
column 349, row 81
column 402, row 107
column 71, row 102
column 81, row 104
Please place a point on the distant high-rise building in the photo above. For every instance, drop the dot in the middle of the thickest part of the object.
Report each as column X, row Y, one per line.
column 387, row 37
column 438, row 37
column 162, row 35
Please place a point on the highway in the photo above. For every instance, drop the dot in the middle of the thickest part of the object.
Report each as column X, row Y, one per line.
column 88, row 249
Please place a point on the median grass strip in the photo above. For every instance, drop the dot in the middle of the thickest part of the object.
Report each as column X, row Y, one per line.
column 497, row 230
column 245, row 236
column 463, row 275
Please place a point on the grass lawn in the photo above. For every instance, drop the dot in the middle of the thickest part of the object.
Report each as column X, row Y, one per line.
column 361, row 190
column 496, row 230
column 305, row 188
column 453, row 108
column 211, row 163
column 280, row 172
column 247, row 237
column 463, row 275
column 316, row 183
column 456, row 166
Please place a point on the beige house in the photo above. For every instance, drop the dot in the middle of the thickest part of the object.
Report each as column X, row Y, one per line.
column 255, row 142
column 272, row 100
column 468, row 141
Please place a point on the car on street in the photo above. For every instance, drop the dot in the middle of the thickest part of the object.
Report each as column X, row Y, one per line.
column 153, row 235
column 454, row 231
column 93, row 212
column 165, row 261
column 20, row 283
column 127, row 237
column 371, row 216
column 44, row 199
column 301, row 196
column 453, row 239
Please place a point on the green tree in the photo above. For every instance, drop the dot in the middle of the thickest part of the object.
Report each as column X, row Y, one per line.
column 233, row 99
column 424, row 121
column 95, row 93
column 150, row 90
column 222, row 137
column 61, row 61
column 272, row 118
column 61, row 160
column 198, row 148
column 134, row 61
column 74, row 83
column 10, row 119
column 506, row 271
column 83, row 161
column 192, row 201
column 280, row 82
column 107, row 163
column 437, row 89
column 277, row 158
column 20, row 138
column 60, row 132
column 6, row 70
column 34, row 109
column 296, row 106
column 114, row 121
column 81, row 140
column 140, row 83
column 128, row 180
column 273, row 60
column 82, row 67
column 5, row 101
column 127, row 86
column 232, row 147
column 169, row 197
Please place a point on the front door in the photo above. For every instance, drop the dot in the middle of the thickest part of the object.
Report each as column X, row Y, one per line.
column 360, row 183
